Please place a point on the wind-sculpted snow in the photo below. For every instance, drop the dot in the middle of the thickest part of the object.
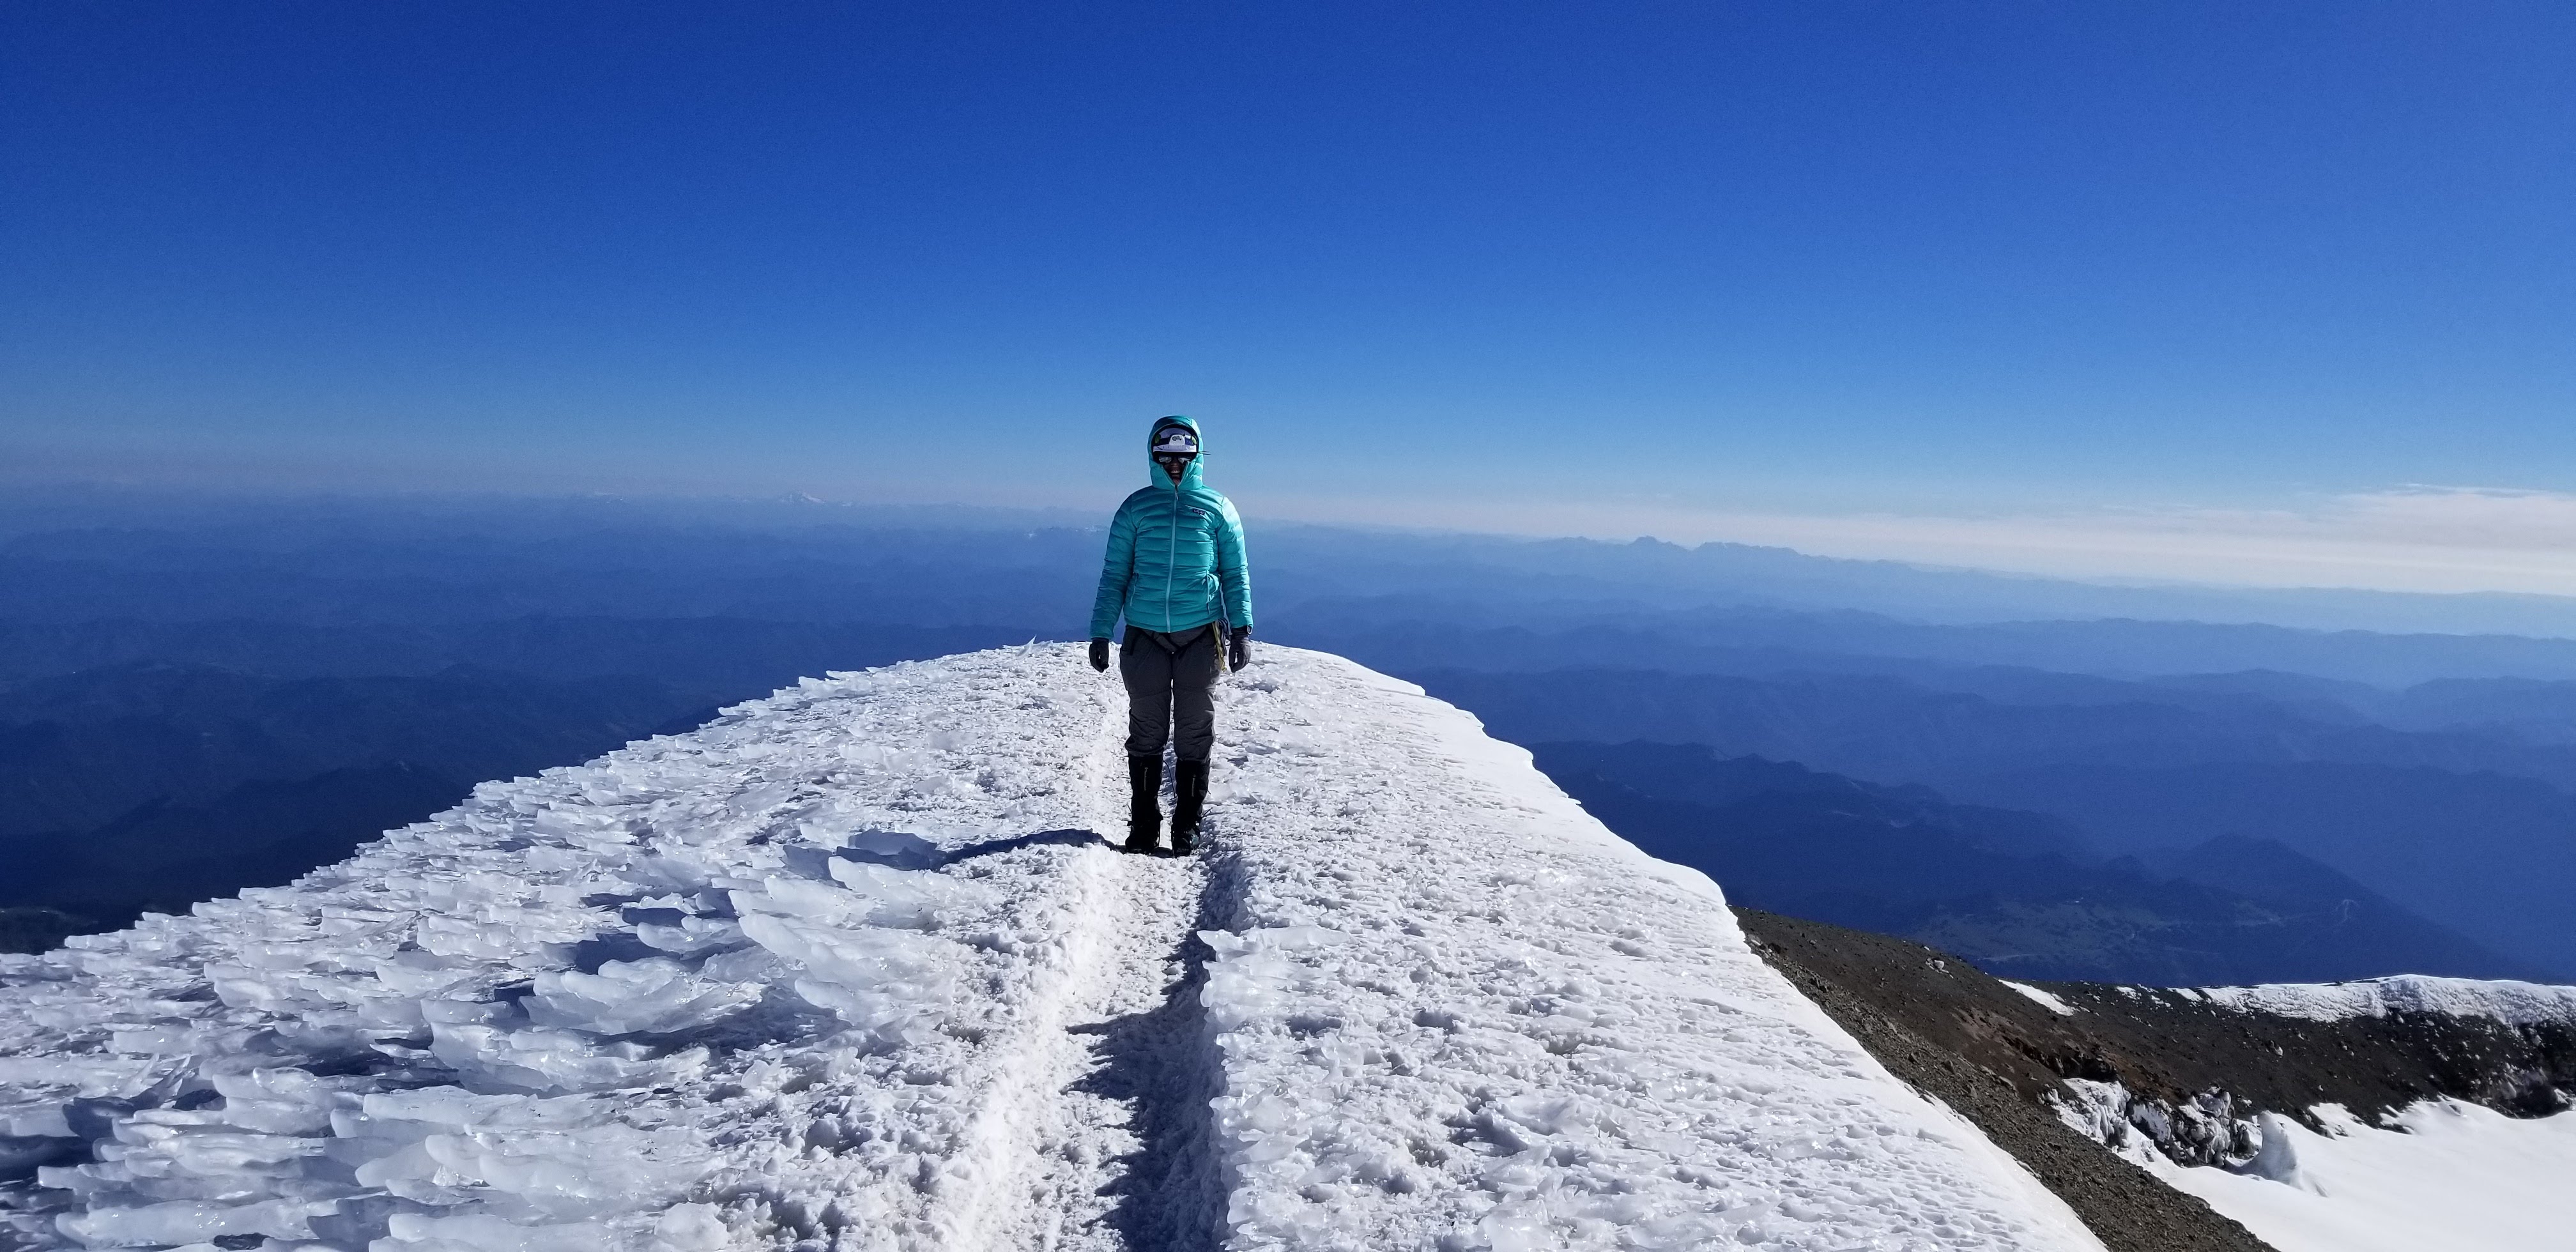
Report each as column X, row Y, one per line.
column 1458, row 1013
column 759, row 985
column 847, row 970
column 2512, row 1003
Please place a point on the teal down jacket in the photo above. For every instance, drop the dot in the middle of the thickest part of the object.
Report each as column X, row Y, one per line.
column 1175, row 558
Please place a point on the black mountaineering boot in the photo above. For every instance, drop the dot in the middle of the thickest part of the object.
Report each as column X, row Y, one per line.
column 1144, row 802
column 1189, row 795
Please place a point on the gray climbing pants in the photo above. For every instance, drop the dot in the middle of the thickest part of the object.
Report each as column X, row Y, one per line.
column 1170, row 679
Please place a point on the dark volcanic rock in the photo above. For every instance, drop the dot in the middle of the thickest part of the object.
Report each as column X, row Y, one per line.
column 2178, row 1070
column 2172, row 1043
column 1989, row 1053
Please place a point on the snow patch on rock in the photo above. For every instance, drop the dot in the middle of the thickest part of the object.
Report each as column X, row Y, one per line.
column 2045, row 999
column 2512, row 1003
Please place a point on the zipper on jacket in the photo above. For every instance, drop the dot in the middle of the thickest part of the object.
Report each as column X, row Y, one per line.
column 1171, row 553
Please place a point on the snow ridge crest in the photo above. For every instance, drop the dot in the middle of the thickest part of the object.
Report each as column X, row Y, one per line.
column 848, row 969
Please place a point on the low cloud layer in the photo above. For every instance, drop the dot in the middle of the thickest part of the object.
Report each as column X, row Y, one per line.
column 2440, row 539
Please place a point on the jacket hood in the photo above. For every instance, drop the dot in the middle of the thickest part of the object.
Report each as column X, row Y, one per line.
column 1191, row 477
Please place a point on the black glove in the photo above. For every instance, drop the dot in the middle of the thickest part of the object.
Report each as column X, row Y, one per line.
column 1100, row 655
column 1238, row 648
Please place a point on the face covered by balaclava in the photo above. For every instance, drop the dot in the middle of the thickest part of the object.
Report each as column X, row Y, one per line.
column 1174, row 448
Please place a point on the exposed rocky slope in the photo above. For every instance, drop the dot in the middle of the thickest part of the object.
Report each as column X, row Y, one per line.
column 2055, row 1073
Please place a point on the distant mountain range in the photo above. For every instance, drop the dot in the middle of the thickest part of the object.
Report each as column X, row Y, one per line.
column 728, row 658
column 2014, row 891
column 2472, row 829
column 1503, row 633
column 88, row 552
column 162, row 857
column 188, row 684
column 1900, row 730
column 84, row 748
column 2490, row 855
column 104, row 557
column 151, row 786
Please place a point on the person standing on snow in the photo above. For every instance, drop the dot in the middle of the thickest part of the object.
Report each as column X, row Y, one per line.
column 1175, row 571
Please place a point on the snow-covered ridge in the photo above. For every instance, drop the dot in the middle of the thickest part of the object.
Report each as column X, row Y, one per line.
column 2512, row 1003
column 845, row 970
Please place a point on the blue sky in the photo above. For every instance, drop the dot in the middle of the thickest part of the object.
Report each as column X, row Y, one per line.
column 2280, row 292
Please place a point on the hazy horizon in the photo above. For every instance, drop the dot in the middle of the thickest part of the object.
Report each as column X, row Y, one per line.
column 282, row 521
column 2450, row 557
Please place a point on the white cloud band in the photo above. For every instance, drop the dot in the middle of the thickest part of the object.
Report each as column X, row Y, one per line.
column 2439, row 539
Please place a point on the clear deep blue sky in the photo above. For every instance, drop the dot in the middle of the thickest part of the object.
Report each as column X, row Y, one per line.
column 1800, row 258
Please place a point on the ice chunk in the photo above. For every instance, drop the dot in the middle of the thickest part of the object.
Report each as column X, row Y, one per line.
column 414, row 1232
column 552, row 1060
column 691, row 936
column 42, row 1120
column 691, row 1228
column 1518, row 1226
column 419, row 973
column 190, row 1221
column 909, row 899
column 90, row 1076
column 797, row 897
column 897, row 963
column 2278, row 1160
column 653, row 996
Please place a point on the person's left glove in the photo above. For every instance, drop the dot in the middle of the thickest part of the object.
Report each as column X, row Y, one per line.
column 1238, row 648
column 1100, row 655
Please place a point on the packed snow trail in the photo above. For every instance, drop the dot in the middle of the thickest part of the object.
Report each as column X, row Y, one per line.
column 847, row 969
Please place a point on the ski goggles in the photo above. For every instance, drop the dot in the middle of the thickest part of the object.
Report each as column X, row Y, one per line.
column 1175, row 441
